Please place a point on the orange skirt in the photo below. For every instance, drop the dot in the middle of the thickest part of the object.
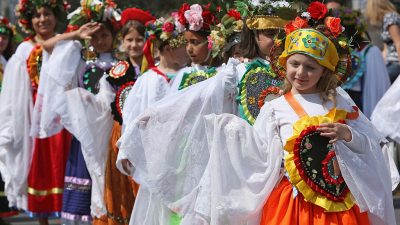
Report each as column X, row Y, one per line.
column 281, row 208
column 120, row 190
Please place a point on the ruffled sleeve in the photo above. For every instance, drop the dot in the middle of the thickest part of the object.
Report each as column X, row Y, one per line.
column 88, row 117
column 243, row 168
column 58, row 75
column 16, row 145
column 368, row 175
column 148, row 89
column 167, row 143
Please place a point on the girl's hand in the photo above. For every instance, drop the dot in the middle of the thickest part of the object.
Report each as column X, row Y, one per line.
column 335, row 131
column 86, row 31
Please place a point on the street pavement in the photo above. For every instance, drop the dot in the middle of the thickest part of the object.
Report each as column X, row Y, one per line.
column 23, row 219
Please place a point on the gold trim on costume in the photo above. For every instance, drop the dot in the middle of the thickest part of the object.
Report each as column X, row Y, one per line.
column 262, row 22
column 52, row 191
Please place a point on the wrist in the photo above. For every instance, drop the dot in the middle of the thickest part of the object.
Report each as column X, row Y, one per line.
column 348, row 137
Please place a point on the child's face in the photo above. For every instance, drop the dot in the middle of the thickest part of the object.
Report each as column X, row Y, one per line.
column 303, row 72
column 265, row 40
column 196, row 47
column 133, row 44
column 44, row 22
column 4, row 40
column 102, row 40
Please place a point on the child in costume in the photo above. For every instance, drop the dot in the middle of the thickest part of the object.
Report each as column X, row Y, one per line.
column 311, row 157
column 370, row 72
column 72, row 65
column 257, row 82
column 6, row 38
column 148, row 89
column 40, row 191
column 196, row 21
column 120, row 190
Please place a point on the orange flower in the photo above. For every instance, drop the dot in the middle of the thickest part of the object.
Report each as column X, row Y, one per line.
column 334, row 26
column 297, row 23
column 300, row 23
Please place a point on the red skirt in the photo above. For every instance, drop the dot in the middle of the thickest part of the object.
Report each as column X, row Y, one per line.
column 281, row 208
column 46, row 175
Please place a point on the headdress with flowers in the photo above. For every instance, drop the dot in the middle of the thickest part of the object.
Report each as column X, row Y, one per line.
column 322, row 37
column 94, row 11
column 225, row 34
column 25, row 10
column 196, row 17
column 165, row 30
column 265, row 14
column 6, row 28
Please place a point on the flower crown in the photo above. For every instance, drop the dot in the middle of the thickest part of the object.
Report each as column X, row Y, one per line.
column 320, row 35
column 265, row 14
column 96, row 11
column 25, row 10
column 222, row 36
column 165, row 30
column 6, row 28
column 195, row 17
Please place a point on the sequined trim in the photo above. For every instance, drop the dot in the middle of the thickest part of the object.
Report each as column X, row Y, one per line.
column 32, row 191
column 79, row 181
column 69, row 216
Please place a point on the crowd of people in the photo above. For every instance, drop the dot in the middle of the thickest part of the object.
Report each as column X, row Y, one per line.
column 256, row 113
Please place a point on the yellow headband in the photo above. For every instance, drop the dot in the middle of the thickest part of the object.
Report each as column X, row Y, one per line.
column 312, row 43
column 265, row 22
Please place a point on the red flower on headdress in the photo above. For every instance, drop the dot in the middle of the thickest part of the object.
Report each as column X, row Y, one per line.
column 297, row 23
column 181, row 13
column 208, row 19
column 235, row 14
column 289, row 28
column 317, row 10
column 168, row 27
column 5, row 21
column 334, row 26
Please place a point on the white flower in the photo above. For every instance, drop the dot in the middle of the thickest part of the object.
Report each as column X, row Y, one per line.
column 255, row 2
column 280, row 4
column 306, row 15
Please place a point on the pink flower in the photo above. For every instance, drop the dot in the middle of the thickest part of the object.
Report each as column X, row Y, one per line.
column 194, row 17
column 178, row 26
column 168, row 27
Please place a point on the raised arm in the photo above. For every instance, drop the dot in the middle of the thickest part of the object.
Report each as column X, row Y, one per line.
column 85, row 32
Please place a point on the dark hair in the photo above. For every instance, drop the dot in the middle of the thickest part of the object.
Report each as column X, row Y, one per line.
column 107, row 24
column 59, row 15
column 133, row 24
column 248, row 43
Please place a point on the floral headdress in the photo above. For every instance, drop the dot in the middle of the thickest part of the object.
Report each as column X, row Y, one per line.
column 6, row 28
column 265, row 14
column 95, row 11
column 319, row 35
column 165, row 30
column 195, row 18
column 25, row 10
column 225, row 34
